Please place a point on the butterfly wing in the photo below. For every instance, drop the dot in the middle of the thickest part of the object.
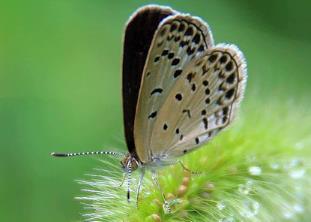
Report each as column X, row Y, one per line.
column 211, row 89
column 179, row 40
column 139, row 33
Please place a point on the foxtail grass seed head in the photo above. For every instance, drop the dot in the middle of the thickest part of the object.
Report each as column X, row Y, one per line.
column 272, row 185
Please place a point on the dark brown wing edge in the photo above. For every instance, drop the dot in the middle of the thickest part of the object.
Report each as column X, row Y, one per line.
column 138, row 36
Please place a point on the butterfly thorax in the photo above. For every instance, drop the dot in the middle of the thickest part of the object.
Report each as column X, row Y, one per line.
column 130, row 162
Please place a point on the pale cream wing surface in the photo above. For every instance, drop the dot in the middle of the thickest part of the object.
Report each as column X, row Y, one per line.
column 201, row 103
column 179, row 40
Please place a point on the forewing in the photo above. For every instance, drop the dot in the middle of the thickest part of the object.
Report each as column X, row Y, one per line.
column 139, row 33
column 179, row 41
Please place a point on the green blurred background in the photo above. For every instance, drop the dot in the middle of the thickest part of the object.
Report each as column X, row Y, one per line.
column 60, row 76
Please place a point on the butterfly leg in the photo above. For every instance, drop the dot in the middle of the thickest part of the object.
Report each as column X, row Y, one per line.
column 140, row 182
column 166, row 206
column 188, row 170
column 123, row 179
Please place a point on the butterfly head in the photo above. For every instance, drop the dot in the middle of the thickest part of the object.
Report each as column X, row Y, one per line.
column 129, row 163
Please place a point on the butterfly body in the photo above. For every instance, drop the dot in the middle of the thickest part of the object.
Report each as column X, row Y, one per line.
column 154, row 164
column 130, row 160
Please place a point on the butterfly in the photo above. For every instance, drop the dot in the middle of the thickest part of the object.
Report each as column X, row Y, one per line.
column 179, row 88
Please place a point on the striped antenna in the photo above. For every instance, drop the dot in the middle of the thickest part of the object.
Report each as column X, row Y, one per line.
column 111, row 153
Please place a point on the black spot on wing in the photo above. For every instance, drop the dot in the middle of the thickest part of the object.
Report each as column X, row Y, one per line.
column 189, row 31
column 229, row 66
column 207, row 91
column 173, row 27
column 165, row 126
column 197, row 141
column 205, row 69
column 223, row 59
column 224, row 119
column 225, row 110
column 231, row 78
column 175, row 61
column 190, row 50
column 177, row 38
column 183, row 43
column 170, row 55
column 196, row 38
column 178, row 96
column 165, row 52
column 213, row 58
column 188, row 112
column 230, row 93
column 181, row 27
column 190, row 76
column 205, row 123
column 221, row 75
column 157, row 58
column 207, row 101
column 156, row 90
column 152, row 115
column 201, row 48
column 160, row 43
column 177, row 73
column 193, row 87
